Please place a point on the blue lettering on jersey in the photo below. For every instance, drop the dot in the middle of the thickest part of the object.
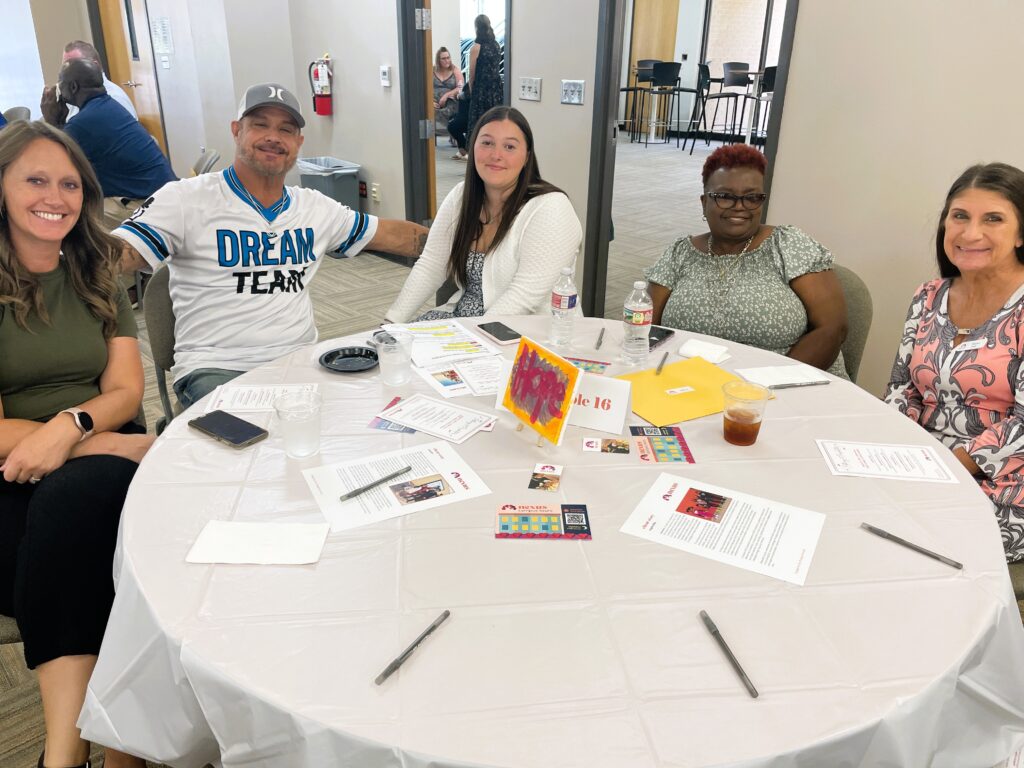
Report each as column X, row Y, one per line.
column 288, row 249
column 250, row 248
column 269, row 260
column 254, row 249
column 304, row 243
column 227, row 240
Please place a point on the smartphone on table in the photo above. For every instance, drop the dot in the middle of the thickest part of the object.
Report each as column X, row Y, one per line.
column 228, row 429
column 659, row 335
column 499, row 333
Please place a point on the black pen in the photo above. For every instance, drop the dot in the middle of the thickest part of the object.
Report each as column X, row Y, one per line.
column 792, row 384
column 600, row 338
column 391, row 668
column 910, row 545
column 364, row 488
column 728, row 653
column 661, row 364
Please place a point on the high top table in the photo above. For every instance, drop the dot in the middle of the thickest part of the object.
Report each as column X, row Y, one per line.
column 558, row 653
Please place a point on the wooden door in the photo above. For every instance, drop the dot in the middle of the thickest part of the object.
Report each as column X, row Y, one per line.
column 654, row 34
column 130, row 60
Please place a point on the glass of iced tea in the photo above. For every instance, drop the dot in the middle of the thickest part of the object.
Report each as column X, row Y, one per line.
column 744, row 409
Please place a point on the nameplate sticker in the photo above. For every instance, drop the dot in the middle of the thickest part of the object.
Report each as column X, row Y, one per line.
column 969, row 345
column 678, row 391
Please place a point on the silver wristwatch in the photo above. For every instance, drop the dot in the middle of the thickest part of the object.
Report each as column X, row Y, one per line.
column 82, row 420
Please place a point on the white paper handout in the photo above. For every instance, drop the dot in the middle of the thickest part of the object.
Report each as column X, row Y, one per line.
column 222, row 541
column 437, row 418
column 245, row 398
column 438, row 476
column 440, row 341
column 752, row 533
column 713, row 353
column 892, row 462
column 784, row 375
column 481, row 374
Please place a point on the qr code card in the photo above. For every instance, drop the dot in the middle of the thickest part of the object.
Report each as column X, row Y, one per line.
column 542, row 521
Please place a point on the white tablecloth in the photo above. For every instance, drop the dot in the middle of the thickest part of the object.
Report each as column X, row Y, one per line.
column 559, row 653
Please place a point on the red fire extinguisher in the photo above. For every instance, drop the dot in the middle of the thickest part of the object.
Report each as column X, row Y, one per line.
column 320, row 75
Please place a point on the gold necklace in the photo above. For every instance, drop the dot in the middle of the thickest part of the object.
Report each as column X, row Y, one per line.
column 728, row 267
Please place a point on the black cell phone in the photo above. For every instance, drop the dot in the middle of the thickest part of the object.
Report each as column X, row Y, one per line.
column 227, row 428
column 659, row 335
column 500, row 332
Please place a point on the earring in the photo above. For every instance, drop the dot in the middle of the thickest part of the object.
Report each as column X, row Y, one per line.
column 704, row 218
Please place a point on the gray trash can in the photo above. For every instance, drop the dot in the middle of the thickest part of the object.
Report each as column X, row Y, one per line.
column 335, row 178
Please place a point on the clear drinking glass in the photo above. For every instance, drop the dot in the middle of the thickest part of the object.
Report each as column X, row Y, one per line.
column 394, row 350
column 744, row 410
column 298, row 416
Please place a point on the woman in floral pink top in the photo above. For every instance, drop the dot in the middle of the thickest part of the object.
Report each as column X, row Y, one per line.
column 958, row 370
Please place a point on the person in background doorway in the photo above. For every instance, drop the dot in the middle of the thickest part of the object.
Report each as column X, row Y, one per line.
column 485, row 88
column 448, row 85
column 767, row 286
column 56, row 113
column 503, row 235
column 70, row 386
column 958, row 370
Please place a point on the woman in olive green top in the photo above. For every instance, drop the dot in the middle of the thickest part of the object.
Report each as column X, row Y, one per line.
column 70, row 384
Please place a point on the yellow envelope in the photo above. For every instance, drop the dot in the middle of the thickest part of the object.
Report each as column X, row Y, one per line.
column 663, row 400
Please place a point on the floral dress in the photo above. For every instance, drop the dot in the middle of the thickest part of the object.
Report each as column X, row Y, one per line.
column 487, row 90
column 968, row 396
column 471, row 303
column 743, row 298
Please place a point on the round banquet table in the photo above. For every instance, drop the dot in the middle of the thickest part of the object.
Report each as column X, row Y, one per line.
column 558, row 653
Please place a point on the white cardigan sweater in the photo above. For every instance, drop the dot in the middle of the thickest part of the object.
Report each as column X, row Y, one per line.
column 518, row 274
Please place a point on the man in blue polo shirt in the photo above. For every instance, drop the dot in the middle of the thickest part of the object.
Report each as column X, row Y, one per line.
column 127, row 161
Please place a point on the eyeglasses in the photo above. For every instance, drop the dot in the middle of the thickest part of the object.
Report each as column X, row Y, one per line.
column 728, row 200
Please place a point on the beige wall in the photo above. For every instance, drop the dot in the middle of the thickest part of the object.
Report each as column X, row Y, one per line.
column 366, row 127
column 444, row 22
column 541, row 47
column 57, row 23
column 886, row 104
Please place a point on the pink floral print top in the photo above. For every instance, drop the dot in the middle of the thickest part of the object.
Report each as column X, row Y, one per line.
column 970, row 395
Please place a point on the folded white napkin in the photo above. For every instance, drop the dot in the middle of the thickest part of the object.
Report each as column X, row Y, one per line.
column 713, row 353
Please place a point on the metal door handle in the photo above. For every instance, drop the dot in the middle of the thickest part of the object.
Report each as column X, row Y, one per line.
column 131, row 84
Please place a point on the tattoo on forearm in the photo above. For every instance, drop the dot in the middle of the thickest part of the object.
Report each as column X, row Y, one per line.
column 419, row 242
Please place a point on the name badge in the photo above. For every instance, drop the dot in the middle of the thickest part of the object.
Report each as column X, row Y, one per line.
column 969, row 345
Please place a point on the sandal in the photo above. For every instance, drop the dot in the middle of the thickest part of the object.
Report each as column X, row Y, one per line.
column 461, row 157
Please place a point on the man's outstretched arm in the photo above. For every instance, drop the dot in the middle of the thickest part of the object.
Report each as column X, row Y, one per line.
column 402, row 238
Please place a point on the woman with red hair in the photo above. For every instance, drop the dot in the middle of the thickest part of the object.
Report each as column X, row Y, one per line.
column 769, row 287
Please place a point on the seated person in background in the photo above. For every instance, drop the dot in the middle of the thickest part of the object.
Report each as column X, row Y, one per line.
column 127, row 161
column 79, row 49
column 958, row 370
column 769, row 287
column 242, row 248
column 502, row 235
column 448, row 84
column 70, row 384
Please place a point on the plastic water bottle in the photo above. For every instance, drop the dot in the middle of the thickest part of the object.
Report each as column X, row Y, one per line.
column 636, row 322
column 563, row 309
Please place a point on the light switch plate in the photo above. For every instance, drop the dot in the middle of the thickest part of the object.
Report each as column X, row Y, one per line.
column 529, row 88
column 572, row 92
column 385, row 76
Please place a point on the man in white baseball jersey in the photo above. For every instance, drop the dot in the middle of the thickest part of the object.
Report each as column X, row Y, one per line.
column 241, row 248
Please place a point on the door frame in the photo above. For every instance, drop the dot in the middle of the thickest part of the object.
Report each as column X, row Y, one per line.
column 604, row 135
column 412, row 58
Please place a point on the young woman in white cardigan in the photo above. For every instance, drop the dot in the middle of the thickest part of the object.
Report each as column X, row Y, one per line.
column 502, row 235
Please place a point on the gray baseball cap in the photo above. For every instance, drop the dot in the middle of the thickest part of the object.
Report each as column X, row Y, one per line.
column 270, row 95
